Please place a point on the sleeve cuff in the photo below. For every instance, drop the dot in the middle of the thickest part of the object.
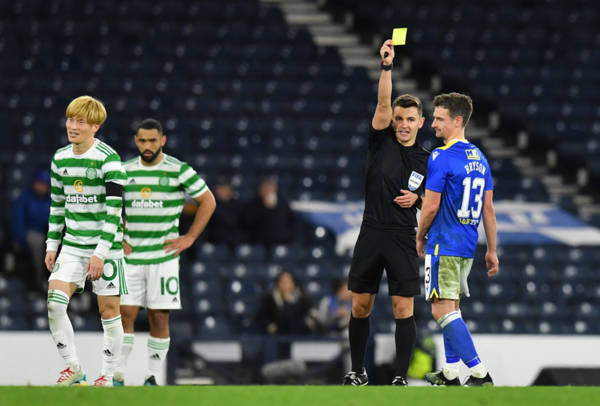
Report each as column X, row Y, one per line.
column 101, row 250
column 52, row 245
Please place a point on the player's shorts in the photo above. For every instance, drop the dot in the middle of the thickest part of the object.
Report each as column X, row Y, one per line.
column 446, row 276
column 71, row 268
column 153, row 286
column 392, row 250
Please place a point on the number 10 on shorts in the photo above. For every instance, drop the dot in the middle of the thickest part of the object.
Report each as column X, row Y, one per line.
column 170, row 285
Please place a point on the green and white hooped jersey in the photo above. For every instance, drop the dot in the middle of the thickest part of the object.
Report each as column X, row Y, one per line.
column 154, row 198
column 79, row 202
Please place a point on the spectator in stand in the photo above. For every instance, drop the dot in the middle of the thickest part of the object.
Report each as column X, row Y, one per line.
column 268, row 218
column 224, row 226
column 29, row 221
column 334, row 310
column 285, row 310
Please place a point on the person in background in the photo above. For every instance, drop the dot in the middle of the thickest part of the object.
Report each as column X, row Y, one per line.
column 285, row 309
column 29, row 225
column 224, row 227
column 334, row 310
column 268, row 218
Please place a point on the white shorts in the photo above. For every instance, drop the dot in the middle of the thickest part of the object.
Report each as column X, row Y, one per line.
column 71, row 268
column 153, row 286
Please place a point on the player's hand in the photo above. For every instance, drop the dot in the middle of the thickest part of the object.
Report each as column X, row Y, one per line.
column 387, row 47
column 406, row 199
column 94, row 268
column 492, row 263
column 421, row 247
column 178, row 244
column 127, row 248
column 50, row 260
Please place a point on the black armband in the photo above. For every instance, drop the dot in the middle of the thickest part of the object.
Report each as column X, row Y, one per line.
column 114, row 189
column 387, row 67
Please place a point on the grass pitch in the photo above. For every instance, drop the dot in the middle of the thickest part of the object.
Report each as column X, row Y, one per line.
column 298, row 395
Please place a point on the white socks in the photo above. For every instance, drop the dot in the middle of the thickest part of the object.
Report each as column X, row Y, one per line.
column 128, row 341
column 157, row 353
column 479, row 370
column 113, row 342
column 61, row 327
column 451, row 370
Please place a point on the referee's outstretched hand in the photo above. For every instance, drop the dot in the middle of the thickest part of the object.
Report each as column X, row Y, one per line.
column 387, row 52
column 406, row 199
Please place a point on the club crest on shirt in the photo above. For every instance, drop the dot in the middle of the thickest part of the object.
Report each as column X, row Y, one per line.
column 415, row 181
column 91, row 173
column 163, row 181
column 472, row 154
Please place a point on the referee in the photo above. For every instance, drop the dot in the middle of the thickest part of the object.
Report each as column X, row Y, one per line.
column 395, row 179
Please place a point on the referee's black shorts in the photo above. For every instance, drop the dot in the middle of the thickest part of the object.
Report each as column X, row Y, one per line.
column 393, row 250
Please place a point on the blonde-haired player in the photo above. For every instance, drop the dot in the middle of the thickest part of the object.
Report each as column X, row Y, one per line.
column 87, row 187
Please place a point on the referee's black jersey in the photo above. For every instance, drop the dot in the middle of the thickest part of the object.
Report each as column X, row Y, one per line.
column 391, row 167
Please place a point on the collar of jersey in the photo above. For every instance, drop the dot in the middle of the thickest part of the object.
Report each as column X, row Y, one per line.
column 96, row 142
column 451, row 143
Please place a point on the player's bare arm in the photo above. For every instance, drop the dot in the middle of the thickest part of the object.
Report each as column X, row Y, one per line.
column 431, row 205
column 489, row 225
column 206, row 207
column 383, row 112
column 406, row 199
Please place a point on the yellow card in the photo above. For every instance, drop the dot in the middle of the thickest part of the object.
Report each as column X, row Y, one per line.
column 399, row 36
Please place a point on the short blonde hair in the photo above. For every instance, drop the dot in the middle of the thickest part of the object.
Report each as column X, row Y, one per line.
column 87, row 107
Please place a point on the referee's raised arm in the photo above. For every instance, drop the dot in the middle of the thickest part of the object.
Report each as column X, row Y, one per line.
column 383, row 112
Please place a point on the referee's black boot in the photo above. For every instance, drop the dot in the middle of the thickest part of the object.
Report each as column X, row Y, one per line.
column 354, row 379
column 474, row 381
column 399, row 381
column 439, row 379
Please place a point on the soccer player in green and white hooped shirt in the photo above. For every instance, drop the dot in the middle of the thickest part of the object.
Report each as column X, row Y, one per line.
column 87, row 186
column 154, row 197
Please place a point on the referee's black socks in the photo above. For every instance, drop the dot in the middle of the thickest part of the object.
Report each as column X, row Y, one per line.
column 358, row 330
column 406, row 338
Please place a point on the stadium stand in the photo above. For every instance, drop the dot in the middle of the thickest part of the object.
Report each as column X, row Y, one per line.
column 242, row 93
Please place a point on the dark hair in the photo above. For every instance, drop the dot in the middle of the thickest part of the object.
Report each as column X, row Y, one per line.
column 408, row 100
column 269, row 178
column 150, row 124
column 222, row 180
column 458, row 104
column 294, row 279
